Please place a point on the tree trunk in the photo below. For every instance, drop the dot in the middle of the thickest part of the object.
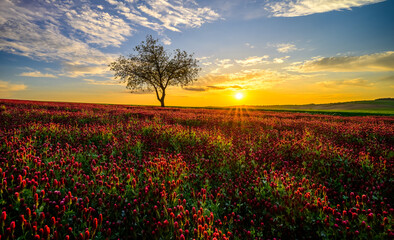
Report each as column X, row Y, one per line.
column 162, row 97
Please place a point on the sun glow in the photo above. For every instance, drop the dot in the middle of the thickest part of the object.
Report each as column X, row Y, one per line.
column 239, row 95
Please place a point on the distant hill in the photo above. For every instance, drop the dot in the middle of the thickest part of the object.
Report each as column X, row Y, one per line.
column 381, row 105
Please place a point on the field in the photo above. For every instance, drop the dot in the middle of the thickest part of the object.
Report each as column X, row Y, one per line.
column 382, row 107
column 85, row 171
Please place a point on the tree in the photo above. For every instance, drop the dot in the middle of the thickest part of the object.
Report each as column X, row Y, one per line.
column 152, row 68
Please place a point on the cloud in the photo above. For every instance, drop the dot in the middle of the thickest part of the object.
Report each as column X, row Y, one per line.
column 245, row 63
column 107, row 82
column 285, row 47
column 377, row 62
column 166, row 40
column 195, row 89
column 224, row 63
column 249, row 45
column 206, row 60
column 387, row 79
column 99, row 27
column 10, row 87
column 37, row 32
column 357, row 82
column 218, row 87
column 250, row 61
column 74, row 69
column 212, row 87
column 227, row 63
column 75, row 31
column 37, row 74
column 295, row 8
column 160, row 15
column 203, row 58
column 247, row 79
column 281, row 60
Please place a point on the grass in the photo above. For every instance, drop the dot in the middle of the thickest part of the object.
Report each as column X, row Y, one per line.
column 371, row 112
column 379, row 107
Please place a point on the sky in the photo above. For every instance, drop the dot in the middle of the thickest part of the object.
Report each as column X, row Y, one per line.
column 264, row 52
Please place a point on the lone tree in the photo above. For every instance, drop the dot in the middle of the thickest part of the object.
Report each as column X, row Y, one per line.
column 152, row 68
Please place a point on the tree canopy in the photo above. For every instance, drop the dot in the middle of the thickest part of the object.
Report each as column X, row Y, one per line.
column 152, row 68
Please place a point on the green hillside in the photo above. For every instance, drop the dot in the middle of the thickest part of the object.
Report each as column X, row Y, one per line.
column 382, row 106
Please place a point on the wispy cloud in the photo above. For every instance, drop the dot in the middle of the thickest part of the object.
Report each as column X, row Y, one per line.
column 74, row 69
column 35, row 31
column 76, row 31
column 160, row 15
column 212, row 87
column 11, row 87
column 248, row 79
column 389, row 78
column 357, row 82
column 106, row 82
column 249, row 45
column 37, row 74
column 250, row 61
column 285, row 47
column 378, row 62
column 219, row 65
column 295, row 8
column 195, row 89
column 246, row 63
column 223, row 64
column 99, row 27
column 281, row 60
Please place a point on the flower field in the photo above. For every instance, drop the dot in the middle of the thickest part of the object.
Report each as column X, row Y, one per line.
column 88, row 171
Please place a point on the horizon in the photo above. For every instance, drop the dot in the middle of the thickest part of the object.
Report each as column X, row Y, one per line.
column 292, row 52
column 175, row 106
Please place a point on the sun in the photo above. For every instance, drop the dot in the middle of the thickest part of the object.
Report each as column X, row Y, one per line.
column 239, row 95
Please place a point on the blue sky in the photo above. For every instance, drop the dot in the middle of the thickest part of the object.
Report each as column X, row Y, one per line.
column 274, row 52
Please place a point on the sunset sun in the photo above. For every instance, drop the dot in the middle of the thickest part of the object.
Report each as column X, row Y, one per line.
column 239, row 95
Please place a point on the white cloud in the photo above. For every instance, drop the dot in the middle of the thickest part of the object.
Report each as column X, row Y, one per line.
column 160, row 15
column 166, row 40
column 224, row 63
column 74, row 31
column 249, row 45
column 10, row 87
column 37, row 74
column 75, row 69
column 203, row 58
column 377, row 62
column 281, row 60
column 205, row 61
column 247, row 62
column 38, row 33
column 250, row 61
column 285, row 47
column 295, row 8
column 177, row 13
column 107, row 82
column 99, row 28
column 149, row 11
